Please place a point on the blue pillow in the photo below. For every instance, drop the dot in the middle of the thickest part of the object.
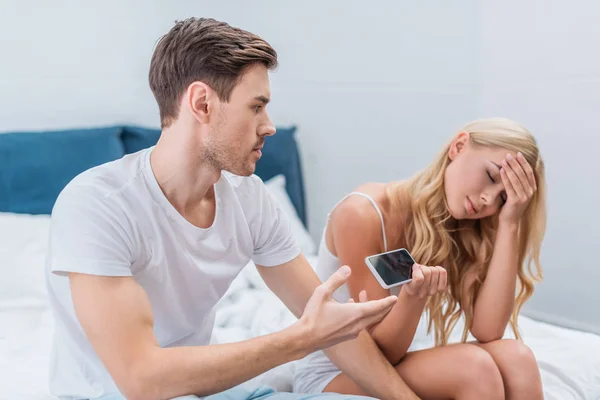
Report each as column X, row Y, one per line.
column 136, row 138
column 36, row 166
column 281, row 156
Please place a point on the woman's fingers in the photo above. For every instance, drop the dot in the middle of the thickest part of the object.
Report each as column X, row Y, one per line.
column 426, row 282
column 528, row 172
column 435, row 280
column 515, row 180
column 443, row 283
column 510, row 191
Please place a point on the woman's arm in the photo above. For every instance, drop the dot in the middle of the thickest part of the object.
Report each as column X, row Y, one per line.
column 355, row 233
column 496, row 298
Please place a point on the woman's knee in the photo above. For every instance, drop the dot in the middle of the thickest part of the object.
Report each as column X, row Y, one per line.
column 481, row 377
column 517, row 363
column 516, row 353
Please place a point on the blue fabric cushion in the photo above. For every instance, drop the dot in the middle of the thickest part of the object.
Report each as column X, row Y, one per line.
column 281, row 156
column 36, row 166
column 136, row 138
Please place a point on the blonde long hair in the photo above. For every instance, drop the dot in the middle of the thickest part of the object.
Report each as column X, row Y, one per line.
column 435, row 238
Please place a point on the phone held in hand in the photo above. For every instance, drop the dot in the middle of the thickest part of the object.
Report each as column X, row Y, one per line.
column 392, row 268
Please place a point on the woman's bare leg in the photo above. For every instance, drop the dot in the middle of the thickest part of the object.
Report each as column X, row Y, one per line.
column 518, row 367
column 461, row 372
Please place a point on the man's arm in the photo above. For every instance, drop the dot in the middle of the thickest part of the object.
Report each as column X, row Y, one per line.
column 116, row 315
column 360, row 359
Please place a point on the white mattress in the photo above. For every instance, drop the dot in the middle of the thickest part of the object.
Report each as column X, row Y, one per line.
column 569, row 360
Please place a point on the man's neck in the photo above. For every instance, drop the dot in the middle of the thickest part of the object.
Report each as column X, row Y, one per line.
column 184, row 178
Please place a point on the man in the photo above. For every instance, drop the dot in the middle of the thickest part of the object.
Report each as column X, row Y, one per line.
column 142, row 248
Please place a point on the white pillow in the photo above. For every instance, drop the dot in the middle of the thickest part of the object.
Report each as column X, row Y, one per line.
column 23, row 294
column 276, row 188
column 23, row 248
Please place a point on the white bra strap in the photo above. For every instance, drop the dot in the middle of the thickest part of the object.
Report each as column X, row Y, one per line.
column 385, row 247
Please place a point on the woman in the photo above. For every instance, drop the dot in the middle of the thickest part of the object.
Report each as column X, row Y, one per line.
column 474, row 220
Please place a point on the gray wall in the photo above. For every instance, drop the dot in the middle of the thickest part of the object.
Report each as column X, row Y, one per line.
column 540, row 64
column 374, row 90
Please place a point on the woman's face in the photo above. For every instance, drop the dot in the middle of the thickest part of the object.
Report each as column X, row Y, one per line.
column 472, row 182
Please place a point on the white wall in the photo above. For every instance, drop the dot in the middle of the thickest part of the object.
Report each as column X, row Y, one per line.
column 540, row 64
column 79, row 63
column 375, row 90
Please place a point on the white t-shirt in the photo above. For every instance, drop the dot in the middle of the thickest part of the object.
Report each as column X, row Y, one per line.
column 114, row 220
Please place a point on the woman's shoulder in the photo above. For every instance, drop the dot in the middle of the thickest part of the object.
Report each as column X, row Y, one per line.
column 360, row 210
column 356, row 221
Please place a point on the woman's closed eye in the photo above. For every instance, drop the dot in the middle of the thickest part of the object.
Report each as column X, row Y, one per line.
column 503, row 195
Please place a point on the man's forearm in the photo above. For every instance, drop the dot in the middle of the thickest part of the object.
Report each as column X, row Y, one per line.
column 205, row 370
column 362, row 361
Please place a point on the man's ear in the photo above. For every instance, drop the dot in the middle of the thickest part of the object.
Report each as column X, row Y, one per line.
column 200, row 101
column 459, row 144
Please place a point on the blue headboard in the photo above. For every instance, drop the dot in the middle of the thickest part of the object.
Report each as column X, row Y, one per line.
column 36, row 166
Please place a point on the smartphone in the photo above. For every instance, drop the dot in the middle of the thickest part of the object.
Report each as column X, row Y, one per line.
column 392, row 268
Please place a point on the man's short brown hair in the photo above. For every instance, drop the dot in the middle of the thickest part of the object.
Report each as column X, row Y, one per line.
column 203, row 49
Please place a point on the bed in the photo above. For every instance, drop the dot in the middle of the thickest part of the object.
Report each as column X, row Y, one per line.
column 35, row 166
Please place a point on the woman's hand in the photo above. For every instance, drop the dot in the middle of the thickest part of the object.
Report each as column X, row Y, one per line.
column 519, row 182
column 426, row 281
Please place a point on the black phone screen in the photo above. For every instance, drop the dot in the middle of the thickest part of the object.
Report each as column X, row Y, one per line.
column 393, row 267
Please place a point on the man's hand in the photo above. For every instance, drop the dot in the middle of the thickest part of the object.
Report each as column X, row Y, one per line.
column 329, row 322
column 116, row 316
column 323, row 322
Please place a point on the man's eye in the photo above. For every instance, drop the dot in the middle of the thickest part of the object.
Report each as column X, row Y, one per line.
column 257, row 109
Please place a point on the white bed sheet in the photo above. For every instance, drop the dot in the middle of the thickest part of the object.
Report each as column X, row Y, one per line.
column 569, row 360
